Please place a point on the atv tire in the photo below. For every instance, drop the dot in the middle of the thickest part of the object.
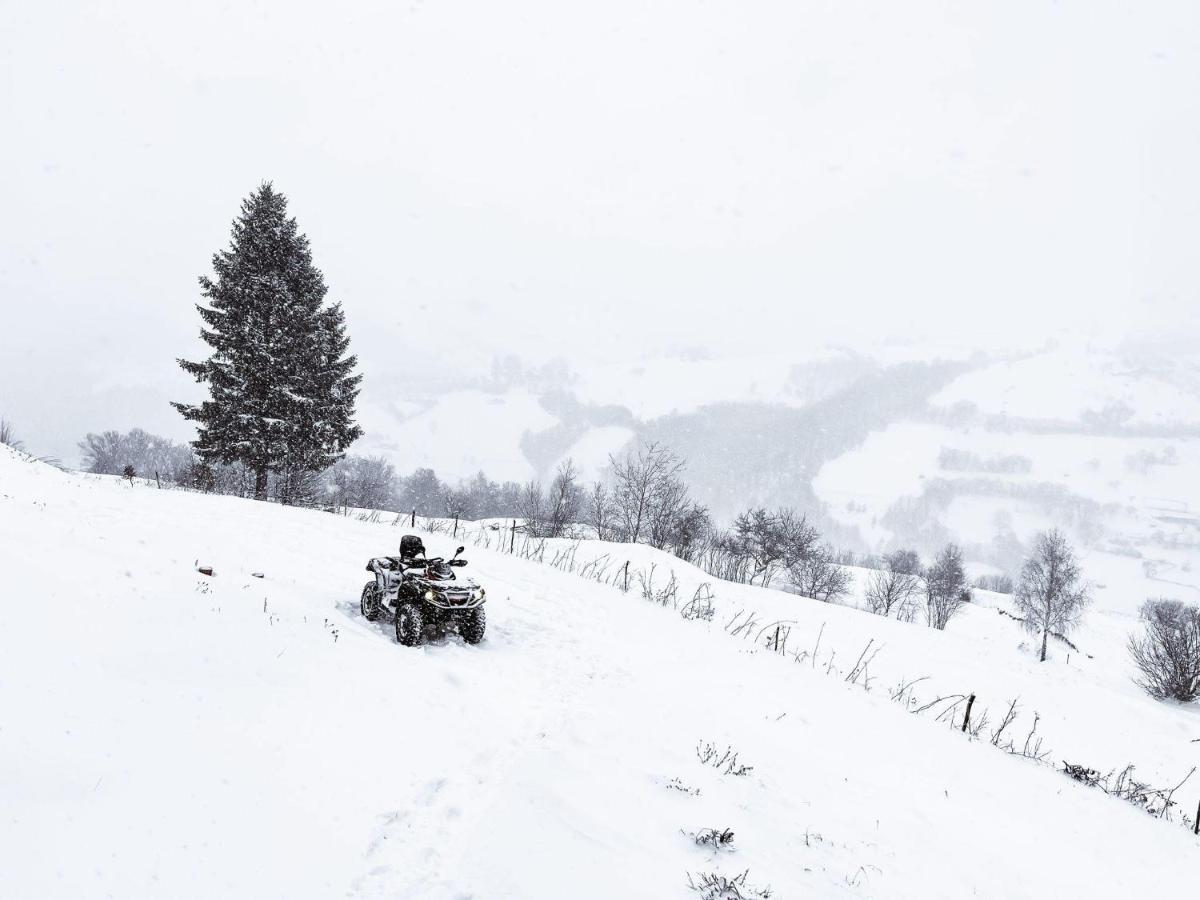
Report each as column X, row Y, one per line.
column 471, row 625
column 410, row 624
column 369, row 603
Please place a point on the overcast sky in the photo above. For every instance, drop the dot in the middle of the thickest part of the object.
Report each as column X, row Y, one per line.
column 588, row 181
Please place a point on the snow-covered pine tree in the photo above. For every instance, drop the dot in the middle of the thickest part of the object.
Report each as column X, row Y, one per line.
column 281, row 384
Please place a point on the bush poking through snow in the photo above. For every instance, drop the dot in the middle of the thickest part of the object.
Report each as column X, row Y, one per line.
column 700, row 606
column 716, row 838
column 816, row 575
column 715, row 886
column 1156, row 801
column 725, row 762
column 676, row 785
column 8, row 435
column 1167, row 655
column 667, row 595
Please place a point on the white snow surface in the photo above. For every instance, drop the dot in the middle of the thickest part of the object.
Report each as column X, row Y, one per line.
column 165, row 733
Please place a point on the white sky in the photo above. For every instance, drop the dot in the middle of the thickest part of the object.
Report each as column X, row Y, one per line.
column 590, row 181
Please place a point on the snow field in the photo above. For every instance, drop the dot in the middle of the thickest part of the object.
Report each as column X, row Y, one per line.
column 167, row 734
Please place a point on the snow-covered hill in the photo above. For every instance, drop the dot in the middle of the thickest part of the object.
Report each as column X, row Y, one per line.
column 885, row 450
column 165, row 733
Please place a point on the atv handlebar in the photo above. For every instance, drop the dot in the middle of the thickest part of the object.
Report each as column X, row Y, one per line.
column 392, row 563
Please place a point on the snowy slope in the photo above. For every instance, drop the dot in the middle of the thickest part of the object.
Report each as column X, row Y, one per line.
column 168, row 734
column 1103, row 445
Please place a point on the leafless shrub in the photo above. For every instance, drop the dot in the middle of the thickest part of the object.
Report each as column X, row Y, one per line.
column 742, row 624
column 715, row 886
column 817, row 576
column 715, row 838
column 893, row 591
column 1010, row 716
column 700, row 606
column 902, row 693
column 676, row 785
column 1032, row 748
column 774, row 636
column 1155, row 801
column 8, row 435
column 1167, row 654
column 861, row 667
column 666, row 595
column 726, row 761
column 720, row 556
column 434, row 526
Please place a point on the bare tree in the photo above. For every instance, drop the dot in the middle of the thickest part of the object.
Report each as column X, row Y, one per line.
column 1051, row 595
column 894, row 589
column 945, row 587
column 1167, row 655
column 686, row 531
column 564, row 501
column 109, row 452
column 458, row 502
column 669, row 506
column 362, row 482
column 601, row 511
column 818, row 576
column 422, row 491
column 8, row 435
column 773, row 539
column 481, row 497
column 906, row 562
column 641, row 479
column 532, row 508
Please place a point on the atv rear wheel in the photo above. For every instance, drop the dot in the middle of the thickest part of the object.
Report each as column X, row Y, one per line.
column 369, row 602
column 471, row 625
column 410, row 624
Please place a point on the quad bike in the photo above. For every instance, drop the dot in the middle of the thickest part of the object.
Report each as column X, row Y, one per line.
column 422, row 595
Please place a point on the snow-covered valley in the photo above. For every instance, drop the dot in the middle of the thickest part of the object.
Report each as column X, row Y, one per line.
column 166, row 733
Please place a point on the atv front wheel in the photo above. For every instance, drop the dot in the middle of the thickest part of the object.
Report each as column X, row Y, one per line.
column 369, row 603
column 471, row 625
column 410, row 624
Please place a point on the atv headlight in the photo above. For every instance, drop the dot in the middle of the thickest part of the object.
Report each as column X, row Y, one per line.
column 429, row 595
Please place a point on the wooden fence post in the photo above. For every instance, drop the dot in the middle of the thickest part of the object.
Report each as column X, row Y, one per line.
column 413, row 522
column 967, row 717
column 455, row 527
column 627, row 576
column 512, row 541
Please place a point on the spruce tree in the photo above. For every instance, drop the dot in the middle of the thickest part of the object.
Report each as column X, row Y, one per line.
column 281, row 383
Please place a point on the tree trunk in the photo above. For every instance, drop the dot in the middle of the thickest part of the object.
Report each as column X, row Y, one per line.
column 260, row 483
column 1045, row 638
